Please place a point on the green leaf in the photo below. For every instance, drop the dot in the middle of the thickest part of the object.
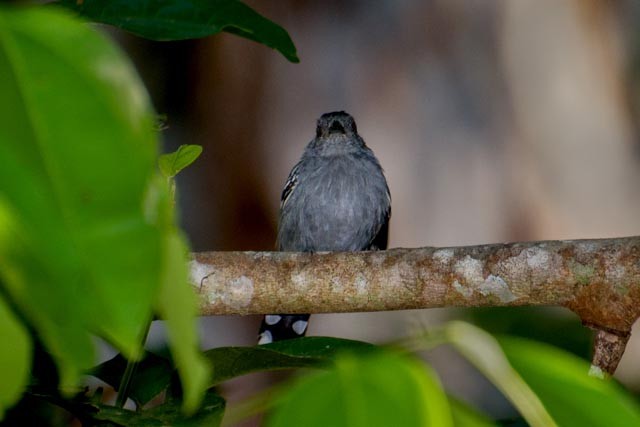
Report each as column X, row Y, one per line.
column 307, row 352
column 380, row 389
column 90, row 241
column 465, row 416
column 552, row 325
column 77, row 150
column 172, row 163
column 325, row 348
column 483, row 351
column 176, row 304
column 563, row 385
column 15, row 356
column 152, row 376
column 154, row 373
column 169, row 414
column 186, row 19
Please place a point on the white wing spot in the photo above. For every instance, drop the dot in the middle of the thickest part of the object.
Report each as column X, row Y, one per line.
column 265, row 338
column 299, row 326
column 272, row 319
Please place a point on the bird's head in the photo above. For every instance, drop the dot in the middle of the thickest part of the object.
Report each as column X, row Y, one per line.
column 336, row 133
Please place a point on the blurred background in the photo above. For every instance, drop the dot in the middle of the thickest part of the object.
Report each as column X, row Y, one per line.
column 494, row 121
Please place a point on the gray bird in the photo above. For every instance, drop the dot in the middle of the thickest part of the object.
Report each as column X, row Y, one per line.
column 335, row 199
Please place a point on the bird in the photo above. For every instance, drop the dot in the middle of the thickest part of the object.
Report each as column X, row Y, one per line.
column 336, row 198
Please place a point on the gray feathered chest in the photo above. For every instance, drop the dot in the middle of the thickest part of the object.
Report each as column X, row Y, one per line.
column 337, row 202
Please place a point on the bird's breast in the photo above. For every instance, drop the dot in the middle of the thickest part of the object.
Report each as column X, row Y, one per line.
column 338, row 207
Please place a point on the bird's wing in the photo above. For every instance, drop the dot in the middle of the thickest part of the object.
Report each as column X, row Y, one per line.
column 379, row 242
column 292, row 181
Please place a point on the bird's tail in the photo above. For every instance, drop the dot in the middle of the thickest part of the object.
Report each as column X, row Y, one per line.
column 278, row 327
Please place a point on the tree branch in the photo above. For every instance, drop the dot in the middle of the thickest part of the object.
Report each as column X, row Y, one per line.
column 597, row 279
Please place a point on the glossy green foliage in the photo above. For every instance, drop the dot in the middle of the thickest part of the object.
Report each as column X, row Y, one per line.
column 15, row 357
column 465, row 416
column 169, row 414
column 483, row 351
column 186, row 19
column 172, row 163
column 152, row 376
column 571, row 396
column 88, row 243
column 382, row 387
column 308, row 352
column 379, row 389
column 77, row 151
column 154, row 373
column 547, row 385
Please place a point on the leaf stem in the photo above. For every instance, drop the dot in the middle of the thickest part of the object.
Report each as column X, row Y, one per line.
column 129, row 372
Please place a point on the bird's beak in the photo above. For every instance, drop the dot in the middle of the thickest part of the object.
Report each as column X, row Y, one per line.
column 336, row 127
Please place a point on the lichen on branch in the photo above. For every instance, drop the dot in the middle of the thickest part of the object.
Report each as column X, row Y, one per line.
column 597, row 279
